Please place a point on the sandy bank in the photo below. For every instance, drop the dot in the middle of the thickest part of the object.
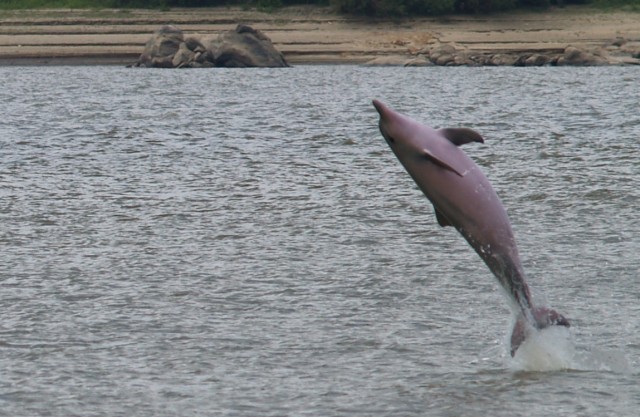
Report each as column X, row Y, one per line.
column 303, row 34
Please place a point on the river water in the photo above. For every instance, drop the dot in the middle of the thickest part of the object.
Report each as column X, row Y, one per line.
column 243, row 243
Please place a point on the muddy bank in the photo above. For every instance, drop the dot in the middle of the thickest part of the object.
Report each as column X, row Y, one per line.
column 312, row 35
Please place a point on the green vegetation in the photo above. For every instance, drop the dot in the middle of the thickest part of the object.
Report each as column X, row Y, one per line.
column 627, row 5
column 364, row 7
column 103, row 4
column 147, row 4
column 439, row 7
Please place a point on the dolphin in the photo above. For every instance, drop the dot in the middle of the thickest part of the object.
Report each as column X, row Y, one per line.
column 463, row 197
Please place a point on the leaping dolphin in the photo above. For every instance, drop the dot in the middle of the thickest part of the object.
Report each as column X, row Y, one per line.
column 463, row 198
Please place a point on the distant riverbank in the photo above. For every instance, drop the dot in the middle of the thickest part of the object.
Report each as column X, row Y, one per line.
column 311, row 35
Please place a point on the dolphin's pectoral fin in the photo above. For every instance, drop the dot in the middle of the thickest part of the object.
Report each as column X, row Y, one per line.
column 442, row 221
column 441, row 163
column 461, row 135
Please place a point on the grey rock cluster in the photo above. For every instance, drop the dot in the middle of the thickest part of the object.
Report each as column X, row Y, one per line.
column 239, row 48
column 619, row 52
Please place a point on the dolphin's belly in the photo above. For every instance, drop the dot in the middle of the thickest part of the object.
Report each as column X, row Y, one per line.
column 468, row 202
column 472, row 206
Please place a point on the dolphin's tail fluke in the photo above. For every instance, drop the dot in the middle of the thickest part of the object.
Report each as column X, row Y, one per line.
column 543, row 317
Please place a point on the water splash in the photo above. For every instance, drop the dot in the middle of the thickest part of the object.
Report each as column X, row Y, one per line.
column 553, row 349
column 549, row 349
column 600, row 359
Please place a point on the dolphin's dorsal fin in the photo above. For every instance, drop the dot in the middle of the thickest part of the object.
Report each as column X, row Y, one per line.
column 438, row 161
column 461, row 135
column 442, row 221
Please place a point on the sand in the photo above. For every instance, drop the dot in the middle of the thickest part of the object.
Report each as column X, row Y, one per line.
column 306, row 35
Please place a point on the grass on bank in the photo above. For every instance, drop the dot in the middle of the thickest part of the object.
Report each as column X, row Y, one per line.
column 59, row 4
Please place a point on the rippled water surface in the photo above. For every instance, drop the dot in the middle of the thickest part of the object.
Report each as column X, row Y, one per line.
column 244, row 243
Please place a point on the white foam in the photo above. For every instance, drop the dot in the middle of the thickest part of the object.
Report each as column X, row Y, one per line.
column 553, row 349
column 550, row 349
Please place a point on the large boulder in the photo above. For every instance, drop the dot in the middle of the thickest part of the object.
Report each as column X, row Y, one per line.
column 533, row 60
column 537, row 60
column 168, row 48
column 161, row 48
column 622, row 51
column 579, row 57
column 631, row 48
column 242, row 47
column 245, row 47
column 443, row 54
column 192, row 54
column 501, row 59
column 450, row 54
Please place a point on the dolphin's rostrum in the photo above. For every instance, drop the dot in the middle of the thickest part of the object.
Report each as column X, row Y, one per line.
column 463, row 198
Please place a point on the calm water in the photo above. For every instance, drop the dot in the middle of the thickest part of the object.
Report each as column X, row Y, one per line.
column 243, row 243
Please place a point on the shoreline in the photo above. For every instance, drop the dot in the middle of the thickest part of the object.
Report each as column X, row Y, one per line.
column 316, row 35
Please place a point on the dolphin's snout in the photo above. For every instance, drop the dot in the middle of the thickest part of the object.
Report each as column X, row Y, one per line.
column 384, row 113
column 383, row 110
column 379, row 106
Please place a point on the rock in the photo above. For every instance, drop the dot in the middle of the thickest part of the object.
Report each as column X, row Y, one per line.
column 195, row 45
column 183, row 57
column 451, row 55
column 242, row 47
column 245, row 47
column 461, row 58
column 619, row 41
column 537, row 60
column 501, row 60
column 167, row 48
column 161, row 48
column 580, row 57
column 443, row 54
column 624, row 60
column 533, row 60
column 631, row 48
column 622, row 51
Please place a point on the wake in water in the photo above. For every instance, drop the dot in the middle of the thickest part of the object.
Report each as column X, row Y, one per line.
column 553, row 349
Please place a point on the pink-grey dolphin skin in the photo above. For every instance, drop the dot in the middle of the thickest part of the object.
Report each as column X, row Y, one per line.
column 463, row 198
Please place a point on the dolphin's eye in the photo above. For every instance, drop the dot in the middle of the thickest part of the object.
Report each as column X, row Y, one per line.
column 390, row 139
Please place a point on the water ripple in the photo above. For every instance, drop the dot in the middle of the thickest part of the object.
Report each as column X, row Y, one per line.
column 244, row 243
